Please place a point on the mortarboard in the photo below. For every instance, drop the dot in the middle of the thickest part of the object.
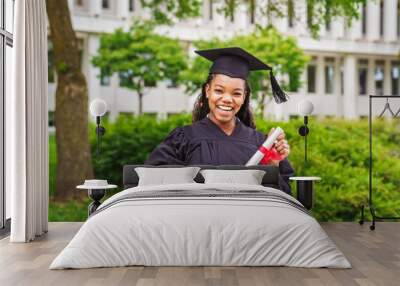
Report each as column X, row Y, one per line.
column 236, row 62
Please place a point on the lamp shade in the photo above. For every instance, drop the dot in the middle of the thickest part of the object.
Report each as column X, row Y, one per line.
column 305, row 107
column 98, row 107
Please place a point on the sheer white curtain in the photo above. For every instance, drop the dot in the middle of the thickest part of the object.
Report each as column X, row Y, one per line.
column 26, row 123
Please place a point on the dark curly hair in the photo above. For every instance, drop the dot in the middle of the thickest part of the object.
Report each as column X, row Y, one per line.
column 201, row 108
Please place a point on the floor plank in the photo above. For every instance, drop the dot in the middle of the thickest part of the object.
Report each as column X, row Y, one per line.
column 374, row 255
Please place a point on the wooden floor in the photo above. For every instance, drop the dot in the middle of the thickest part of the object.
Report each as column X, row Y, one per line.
column 374, row 255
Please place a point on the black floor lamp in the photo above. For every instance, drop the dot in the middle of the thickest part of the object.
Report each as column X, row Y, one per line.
column 305, row 184
column 97, row 188
column 98, row 108
column 305, row 108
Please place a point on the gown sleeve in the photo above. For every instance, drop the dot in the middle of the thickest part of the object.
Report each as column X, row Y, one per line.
column 285, row 172
column 172, row 151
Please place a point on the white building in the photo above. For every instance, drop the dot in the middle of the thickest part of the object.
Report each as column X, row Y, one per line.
column 348, row 63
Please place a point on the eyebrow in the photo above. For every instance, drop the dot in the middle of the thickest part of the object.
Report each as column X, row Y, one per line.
column 238, row 88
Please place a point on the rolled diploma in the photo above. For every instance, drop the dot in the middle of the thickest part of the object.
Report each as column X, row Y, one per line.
column 258, row 156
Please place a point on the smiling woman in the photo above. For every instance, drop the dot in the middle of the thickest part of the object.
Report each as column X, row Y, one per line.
column 223, row 130
column 225, row 96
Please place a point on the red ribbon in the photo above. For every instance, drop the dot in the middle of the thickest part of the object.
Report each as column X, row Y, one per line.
column 269, row 155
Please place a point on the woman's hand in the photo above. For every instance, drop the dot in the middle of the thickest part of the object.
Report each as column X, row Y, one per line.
column 281, row 146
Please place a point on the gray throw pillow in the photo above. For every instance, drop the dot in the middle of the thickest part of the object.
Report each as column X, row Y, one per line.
column 163, row 176
column 249, row 177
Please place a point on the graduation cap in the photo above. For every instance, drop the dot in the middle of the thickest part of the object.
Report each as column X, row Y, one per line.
column 236, row 62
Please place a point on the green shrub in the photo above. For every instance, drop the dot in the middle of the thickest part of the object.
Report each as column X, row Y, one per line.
column 129, row 140
column 337, row 152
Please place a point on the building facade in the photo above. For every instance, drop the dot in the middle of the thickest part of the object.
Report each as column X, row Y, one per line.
column 348, row 62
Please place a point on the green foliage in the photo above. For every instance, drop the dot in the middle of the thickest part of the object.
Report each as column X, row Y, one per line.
column 337, row 149
column 68, row 211
column 319, row 12
column 279, row 52
column 338, row 152
column 326, row 11
column 196, row 74
column 140, row 56
column 62, row 67
column 129, row 141
column 165, row 11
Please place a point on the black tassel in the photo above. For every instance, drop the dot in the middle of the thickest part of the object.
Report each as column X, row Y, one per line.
column 279, row 95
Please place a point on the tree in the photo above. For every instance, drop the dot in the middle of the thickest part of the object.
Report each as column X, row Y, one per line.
column 73, row 149
column 318, row 11
column 140, row 57
column 71, row 113
column 165, row 11
column 279, row 52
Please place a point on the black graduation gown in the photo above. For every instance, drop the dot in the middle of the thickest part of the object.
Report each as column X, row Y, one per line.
column 204, row 143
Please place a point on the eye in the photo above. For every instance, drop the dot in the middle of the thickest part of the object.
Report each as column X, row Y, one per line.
column 237, row 94
column 218, row 90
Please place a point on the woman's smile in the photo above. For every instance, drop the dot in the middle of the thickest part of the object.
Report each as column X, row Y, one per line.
column 225, row 108
column 225, row 98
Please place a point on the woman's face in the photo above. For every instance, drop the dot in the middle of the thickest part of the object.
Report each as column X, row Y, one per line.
column 225, row 97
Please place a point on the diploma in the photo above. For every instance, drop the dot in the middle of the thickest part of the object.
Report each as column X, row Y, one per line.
column 266, row 152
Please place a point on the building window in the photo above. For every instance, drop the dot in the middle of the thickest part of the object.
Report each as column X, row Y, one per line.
column 151, row 114
column 379, row 75
column 252, row 8
column 230, row 9
column 310, row 14
column 364, row 19
column 52, row 121
column 210, row 10
column 329, row 75
column 79, row 2
column 328, row 25
column 104, row 79
column 150, row 83
column 131, row 5
column 172, row 114
column 105, row 4
column 395, row 78
column 341, row 78
column 126, row 114
column 50, row 63
column 124, row 79
column 382, row 15
column 328, row 19
column 290, row 7
column 171, row 83
column 362, row 76
column 311, row 77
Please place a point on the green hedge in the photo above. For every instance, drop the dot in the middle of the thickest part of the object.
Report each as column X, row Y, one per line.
column 129, row 140
column 337, row 152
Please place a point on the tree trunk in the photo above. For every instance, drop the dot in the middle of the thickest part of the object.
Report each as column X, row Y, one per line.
column 71, row 115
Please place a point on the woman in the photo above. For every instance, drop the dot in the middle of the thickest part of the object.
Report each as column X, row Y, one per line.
column 223, row 130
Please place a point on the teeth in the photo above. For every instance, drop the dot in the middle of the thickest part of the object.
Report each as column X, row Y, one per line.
column 226, row 108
